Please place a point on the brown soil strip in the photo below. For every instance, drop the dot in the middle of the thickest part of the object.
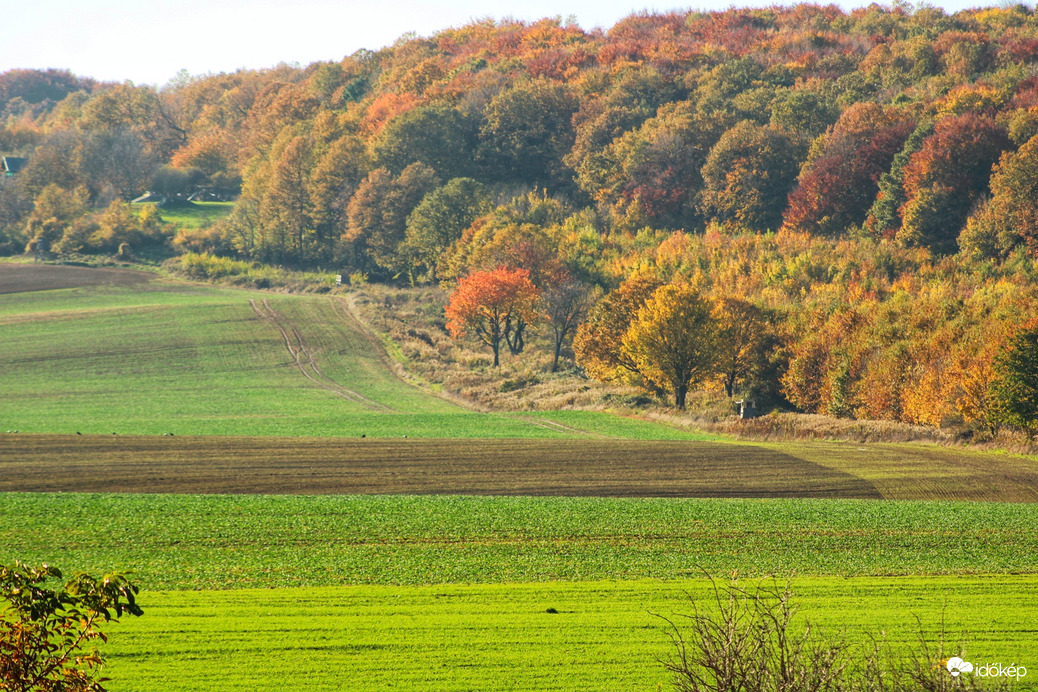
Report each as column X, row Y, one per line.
column 926, row 471
column 607, row 468
column 23, row 278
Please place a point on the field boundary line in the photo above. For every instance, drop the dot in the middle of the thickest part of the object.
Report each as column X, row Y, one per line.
column 303, row 357
column 555, row 425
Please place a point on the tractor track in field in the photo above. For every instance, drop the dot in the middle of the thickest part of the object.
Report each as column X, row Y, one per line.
column 559, row 427
column 303, row 357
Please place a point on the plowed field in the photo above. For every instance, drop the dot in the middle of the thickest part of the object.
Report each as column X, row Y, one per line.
column 607, row 468
column 25, row 278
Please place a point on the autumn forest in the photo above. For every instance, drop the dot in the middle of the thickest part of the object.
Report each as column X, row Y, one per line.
column 826, row 211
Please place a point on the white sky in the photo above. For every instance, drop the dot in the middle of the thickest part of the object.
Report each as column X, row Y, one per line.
column 148, row 41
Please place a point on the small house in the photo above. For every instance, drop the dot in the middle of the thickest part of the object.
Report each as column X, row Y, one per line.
column 12, row 164
column 747, row 408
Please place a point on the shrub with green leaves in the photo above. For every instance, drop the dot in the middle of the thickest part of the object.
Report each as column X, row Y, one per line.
column 45, row 632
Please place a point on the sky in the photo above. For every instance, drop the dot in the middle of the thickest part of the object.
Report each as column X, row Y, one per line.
column 150, row 42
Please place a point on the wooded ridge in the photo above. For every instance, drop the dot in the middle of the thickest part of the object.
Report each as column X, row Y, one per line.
column 860, row 186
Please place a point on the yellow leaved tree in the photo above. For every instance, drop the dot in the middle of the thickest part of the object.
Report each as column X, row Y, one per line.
column 674, row 340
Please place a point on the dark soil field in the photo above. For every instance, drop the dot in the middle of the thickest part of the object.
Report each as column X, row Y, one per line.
column 608, row 468
column 21, row 278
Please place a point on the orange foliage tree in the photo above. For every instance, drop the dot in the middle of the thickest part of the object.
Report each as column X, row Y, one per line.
column 494, row 305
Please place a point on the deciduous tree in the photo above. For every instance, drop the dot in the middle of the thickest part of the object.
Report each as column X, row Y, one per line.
column 1010, row 216
column 567, row 300
column 673, row 340
column 839, row 182
column 377, row 214
column 946, row 177
column 527, row 131
column 441, row 218
column 747, row 177
column 438, row 136
column 1015, row 385
column 745, row 335
column 598, row 343
column 494, row 306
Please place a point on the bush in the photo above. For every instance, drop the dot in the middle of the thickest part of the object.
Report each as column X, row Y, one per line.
column 206, row 266
column 752, row 643
column 44, row 631
column 213, row 240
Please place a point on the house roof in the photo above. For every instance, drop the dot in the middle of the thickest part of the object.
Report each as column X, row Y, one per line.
column 12, row 164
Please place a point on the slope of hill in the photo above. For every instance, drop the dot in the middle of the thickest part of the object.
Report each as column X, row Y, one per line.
column 172, row 357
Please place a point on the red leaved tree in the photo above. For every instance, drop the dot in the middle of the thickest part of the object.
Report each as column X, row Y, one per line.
column 494, row 305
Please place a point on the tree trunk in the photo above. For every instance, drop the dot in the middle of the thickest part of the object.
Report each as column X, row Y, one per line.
column 497, row 347
column 514, row 336
column 558, row 351
column 679, row 396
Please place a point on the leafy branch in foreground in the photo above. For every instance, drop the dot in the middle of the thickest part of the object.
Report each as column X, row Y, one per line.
column 751, row 641
column 45, row 632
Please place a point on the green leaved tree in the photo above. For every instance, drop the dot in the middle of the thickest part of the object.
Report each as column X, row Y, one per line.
column 1015, row 386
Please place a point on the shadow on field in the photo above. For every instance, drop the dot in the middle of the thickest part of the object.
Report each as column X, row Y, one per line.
column 607, row 468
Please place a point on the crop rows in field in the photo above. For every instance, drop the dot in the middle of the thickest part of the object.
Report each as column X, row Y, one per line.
column 228, row 541
column 603, row 637
column 573, row 467
column 74, row 463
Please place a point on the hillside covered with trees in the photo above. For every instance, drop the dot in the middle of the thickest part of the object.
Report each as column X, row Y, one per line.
column 841, row 206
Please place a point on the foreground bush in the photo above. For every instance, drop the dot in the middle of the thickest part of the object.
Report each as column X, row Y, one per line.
column 751, row 642
column 45, row 632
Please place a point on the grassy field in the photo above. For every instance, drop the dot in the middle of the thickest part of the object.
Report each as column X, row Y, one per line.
column 232, row 541
column 195, row 215
column 187, row 359
column 273, row 543
column 502, row 637
column 452, row 593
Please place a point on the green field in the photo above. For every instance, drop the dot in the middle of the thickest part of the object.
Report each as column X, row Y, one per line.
column 501, row 637
column 187, row 359
column 195, row 215
column 274, row 544
column 308, row 588
column 231, row 541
